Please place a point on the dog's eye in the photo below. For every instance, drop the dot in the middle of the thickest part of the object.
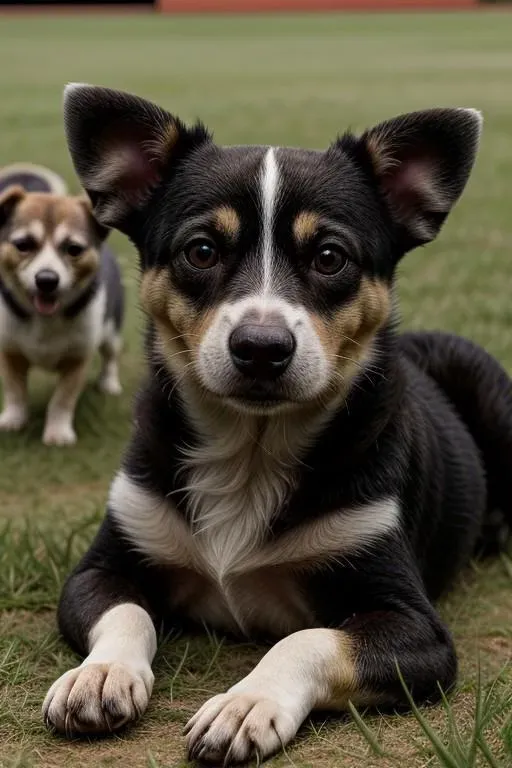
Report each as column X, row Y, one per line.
column 202, row 253
column 329, row 261
column 74, row 250
column 25, row 244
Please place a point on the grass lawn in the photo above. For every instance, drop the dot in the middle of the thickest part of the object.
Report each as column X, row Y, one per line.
column 293, row 80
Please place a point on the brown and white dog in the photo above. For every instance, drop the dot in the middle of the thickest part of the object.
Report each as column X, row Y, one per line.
column 61, row 297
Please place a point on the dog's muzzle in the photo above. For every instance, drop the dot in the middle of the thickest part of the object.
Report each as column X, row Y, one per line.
column 46, row 300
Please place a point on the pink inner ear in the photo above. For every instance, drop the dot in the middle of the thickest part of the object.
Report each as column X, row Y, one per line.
column 129, row 161
column 411, row 182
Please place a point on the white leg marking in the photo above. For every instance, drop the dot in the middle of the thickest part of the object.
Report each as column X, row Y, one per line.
column 264, row 711
column 110, row 349
column 109, row 378
column 58, row 429
column 269, row 194
column 15, row 409
column 112, row 686
column 13, row 417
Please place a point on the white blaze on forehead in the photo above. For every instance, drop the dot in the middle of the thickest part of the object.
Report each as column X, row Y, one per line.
column 269, row 193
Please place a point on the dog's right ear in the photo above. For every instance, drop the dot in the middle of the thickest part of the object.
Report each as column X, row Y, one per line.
column 9, row 199
column 121, row 147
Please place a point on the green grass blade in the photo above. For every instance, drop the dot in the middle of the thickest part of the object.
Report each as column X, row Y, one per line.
column 443, row 754
column 367, row 732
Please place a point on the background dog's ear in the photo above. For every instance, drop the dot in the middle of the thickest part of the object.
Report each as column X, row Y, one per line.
column 100, row 231
column 9, row 199
column 422, row 162
column 121, row 147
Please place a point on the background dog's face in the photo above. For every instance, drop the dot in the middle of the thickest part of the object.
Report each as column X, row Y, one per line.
column 267, row 271
column 48, row 248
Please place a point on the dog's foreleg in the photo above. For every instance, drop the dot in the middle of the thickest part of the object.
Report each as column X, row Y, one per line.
column 14, row 371
column 322, row 669
column 102, row 615
column 61, row 409
column 109, row 376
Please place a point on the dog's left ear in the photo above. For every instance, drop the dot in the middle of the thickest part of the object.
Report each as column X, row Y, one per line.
column 122, row 146
column 422, row 162
column 9, row 199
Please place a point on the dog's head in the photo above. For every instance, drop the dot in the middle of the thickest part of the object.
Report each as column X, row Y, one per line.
column 267, row 271
column 49, row 248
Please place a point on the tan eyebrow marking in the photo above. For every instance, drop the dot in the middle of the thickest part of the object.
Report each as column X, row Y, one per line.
column 227, row 221
column 305, row 226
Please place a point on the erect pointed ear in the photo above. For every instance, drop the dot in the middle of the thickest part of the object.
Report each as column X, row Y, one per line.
column 121, row 147
column 9, row 199
column 422, row 162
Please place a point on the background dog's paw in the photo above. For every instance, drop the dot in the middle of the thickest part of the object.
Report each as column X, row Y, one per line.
column 235, row 727
column 12, row 419
column 110, row 385
column 59, row 434
column 97, row 699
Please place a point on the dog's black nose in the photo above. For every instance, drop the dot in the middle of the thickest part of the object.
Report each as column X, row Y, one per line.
column 47, row 281
column 261, row 351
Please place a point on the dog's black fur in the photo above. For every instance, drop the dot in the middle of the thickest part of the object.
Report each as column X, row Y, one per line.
column 429, row 421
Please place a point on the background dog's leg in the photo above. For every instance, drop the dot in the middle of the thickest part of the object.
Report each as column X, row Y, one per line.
column 14, row 371
column 109, row 376
column 103, row 615
column 323, row 669
column 61, row 409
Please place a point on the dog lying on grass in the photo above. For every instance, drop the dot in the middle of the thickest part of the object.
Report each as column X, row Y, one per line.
column 298, row 472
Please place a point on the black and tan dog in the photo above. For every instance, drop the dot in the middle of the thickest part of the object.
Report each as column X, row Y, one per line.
column 298, row 471
column 61, row 297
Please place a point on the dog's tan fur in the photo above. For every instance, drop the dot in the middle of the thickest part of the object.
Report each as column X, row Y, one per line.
column 179, row 326
column 347, row 336
column 305, row 226
column 53, row 223
column 53, row 219
column 227, row 222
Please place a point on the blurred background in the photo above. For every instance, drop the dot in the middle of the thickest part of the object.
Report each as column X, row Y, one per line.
column 282, row 72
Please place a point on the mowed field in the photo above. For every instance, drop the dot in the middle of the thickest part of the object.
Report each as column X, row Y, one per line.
column 280, row 80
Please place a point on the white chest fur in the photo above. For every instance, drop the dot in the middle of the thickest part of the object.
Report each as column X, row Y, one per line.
column 46, row 341
column 235, row 485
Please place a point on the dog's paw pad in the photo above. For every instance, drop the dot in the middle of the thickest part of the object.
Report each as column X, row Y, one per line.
column 12, row 419
column 59, row 434
column 96, row 699
column 233, row 728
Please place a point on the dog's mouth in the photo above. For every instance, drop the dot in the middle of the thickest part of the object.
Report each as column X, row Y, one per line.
column 45, row 305
column 260, row 396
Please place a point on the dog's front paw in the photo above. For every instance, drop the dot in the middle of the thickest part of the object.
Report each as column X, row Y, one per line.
column 59, row 433
column 237, row 726
column 12, row 419
column 97, row 699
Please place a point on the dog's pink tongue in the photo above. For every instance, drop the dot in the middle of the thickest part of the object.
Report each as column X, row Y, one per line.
column 45, row 306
